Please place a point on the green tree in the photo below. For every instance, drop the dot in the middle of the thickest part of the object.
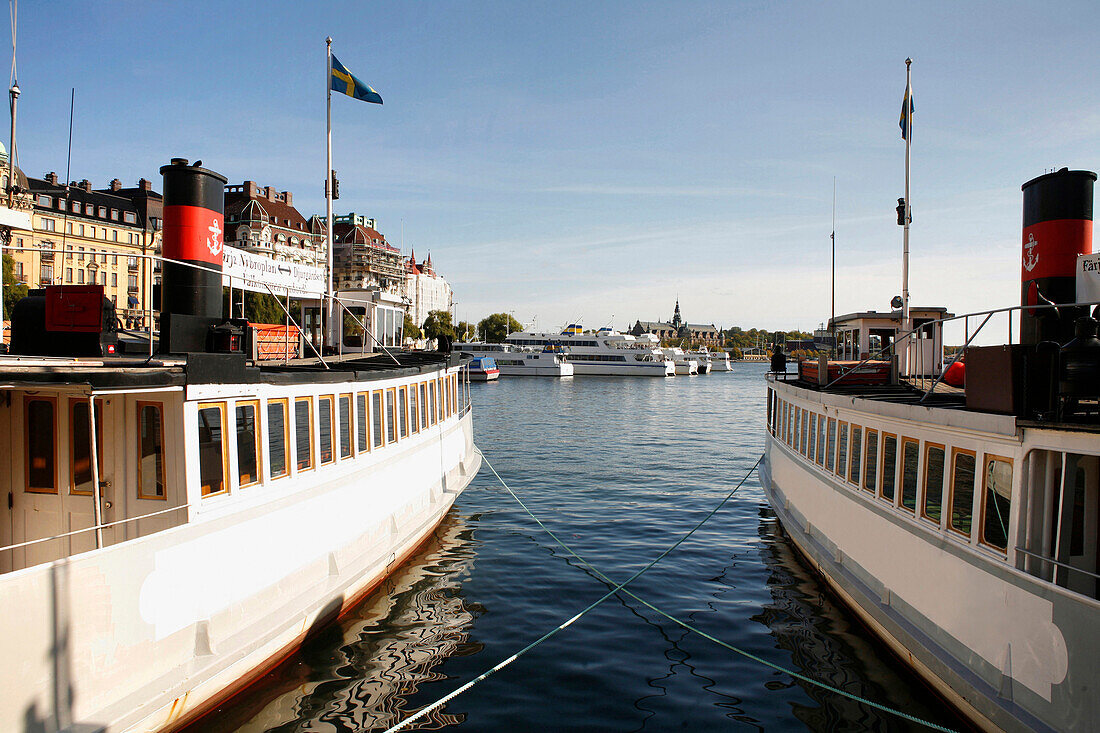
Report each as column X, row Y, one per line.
column 13, row 290
column 495, row 328
column 438, row 323
column 412, row 331
column 465, row 331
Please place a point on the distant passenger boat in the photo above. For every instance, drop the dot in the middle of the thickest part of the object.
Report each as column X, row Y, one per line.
column 606, row 352
column 520, row 361
column 961, row 526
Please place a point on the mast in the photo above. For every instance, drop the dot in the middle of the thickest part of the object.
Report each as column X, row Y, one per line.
column 832, row 239
column 908, row 214
column 327, row 309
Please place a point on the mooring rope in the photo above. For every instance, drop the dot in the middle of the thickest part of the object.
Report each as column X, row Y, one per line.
column 620, row 587
column 560, row 627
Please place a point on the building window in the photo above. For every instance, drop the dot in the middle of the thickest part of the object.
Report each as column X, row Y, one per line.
column 60, row 204
column 49, row 225
column 114, row 259
column 75, row 207
column 114, row 279
column 45, row 274
column 303, row 432
column 132, row 282
column 129, row 217
column 102, row 212
column 212, row 457
column 80, row 253
column 114, row 214
column 40, row 431
column 150, row 451
column 962, row 490
column 81, row 232
column 996, row 501
column 345, row 425
column 80, row 277
column 68, row 274
column 277, row 437
column 80, row 446
column 325, row 424
column 44, row 200
column 114, row 234
column 248, row 443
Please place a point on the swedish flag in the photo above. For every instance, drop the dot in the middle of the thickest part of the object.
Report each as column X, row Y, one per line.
column 342, row 81
column 906, row 120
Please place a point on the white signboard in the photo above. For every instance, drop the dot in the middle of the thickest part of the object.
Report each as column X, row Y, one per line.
column 246, row 271
column 1088, row 278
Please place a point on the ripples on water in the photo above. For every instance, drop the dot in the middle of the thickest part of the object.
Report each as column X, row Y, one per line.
column 619, row 468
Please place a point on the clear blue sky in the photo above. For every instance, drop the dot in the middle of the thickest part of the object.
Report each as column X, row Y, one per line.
column 595, row 160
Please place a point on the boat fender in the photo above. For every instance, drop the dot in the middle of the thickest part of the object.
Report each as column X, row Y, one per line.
column 955, row 375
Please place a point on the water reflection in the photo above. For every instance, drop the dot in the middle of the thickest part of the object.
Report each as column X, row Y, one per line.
column 827, row 643
column 358, row 674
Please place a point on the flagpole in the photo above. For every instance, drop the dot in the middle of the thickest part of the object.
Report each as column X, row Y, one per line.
column 908, row 215
column 328, row 190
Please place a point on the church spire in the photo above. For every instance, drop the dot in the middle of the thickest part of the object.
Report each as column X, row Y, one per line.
column 676, row 320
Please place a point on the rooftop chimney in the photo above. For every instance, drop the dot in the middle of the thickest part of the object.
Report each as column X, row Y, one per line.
column 270, row 193
column 145, row 185
column 51, row 178
column 116, row 185
column 251, row 189
column 288, row 198
column 86, row 185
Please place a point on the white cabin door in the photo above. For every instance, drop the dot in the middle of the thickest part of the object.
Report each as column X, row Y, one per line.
column 77, row 500
column 36, row 486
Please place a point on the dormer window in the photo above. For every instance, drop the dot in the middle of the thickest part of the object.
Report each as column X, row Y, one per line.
column 44, row 200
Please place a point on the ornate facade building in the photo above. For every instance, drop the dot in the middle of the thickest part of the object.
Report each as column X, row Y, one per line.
column 82, row 235
column 264, row 221
column 706, row 333
column 426, row 290
column 363, row 259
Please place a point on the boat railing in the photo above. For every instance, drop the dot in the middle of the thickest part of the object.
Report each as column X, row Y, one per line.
column 1044, row 559
column 923, row 373
column 93, row 528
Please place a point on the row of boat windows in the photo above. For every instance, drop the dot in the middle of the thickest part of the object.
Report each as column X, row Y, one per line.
column 889, row 466
column 41, row 447
column 596, row 357
column 326, row 428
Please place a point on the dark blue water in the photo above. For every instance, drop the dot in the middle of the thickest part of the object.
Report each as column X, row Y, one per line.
column 619, row 469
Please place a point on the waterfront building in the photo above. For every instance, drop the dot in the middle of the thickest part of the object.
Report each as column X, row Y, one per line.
column 425, row 289
column 362, row 258
column 86, row 236
column 705, row 333
column 264, row 221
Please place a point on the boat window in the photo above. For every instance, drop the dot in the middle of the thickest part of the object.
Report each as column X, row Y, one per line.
column 277, row 437
column 432, row 409
column 376, row 418
column 854, row 461
column 248, row 443
column 910, row 456
column 804, row 435
column 212, row 463
column 402, row 413
column 325, row 422
column 870, row 461
column 771, row 411
column 962, row 490
column 934, row 464
column 820, row 439
column 792, row 416
column 830, row 447
column 811, row 448
column 439, row 390
column 842, row 450
column 80, row 446
column 423, row 405
column 150, row 451
column 797, row 428
column 889, row 466
column 303, row 432
column 391, row 417
column 996, row 501
column 345, row 425
column 362, row 438
column 414, row 409
column 41, row 441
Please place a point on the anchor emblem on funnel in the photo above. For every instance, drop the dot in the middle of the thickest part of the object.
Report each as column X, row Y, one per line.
column 1031, row 258
column 213, row 242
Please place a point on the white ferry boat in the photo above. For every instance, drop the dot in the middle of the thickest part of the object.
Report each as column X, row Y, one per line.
column 606, row 352
column 685, row 363
column 717, row 361
column 961, row 526
column 516, row 361
column 175, row 525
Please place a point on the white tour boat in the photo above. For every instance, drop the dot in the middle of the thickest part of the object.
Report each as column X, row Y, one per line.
column 517, row 361
column 961, row 525
column 175, row 525
column 685, row 363
column 606, row 352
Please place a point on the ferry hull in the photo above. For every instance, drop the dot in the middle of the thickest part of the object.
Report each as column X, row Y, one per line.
column 919, row 598
column 589, row 369
column 152, row 633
